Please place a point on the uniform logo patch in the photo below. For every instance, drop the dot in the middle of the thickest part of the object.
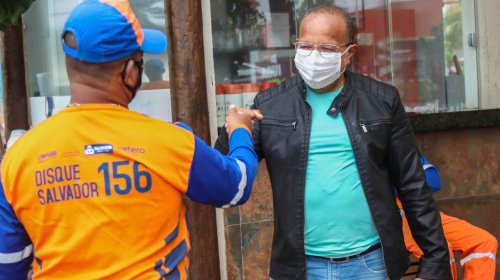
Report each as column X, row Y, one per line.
column 132, row 150
column 48, row 155
column 98, row 149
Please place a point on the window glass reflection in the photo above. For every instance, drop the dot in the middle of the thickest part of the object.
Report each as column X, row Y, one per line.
column 43, row 24
column 48, row 85
column 151, row 14
column 423, row 47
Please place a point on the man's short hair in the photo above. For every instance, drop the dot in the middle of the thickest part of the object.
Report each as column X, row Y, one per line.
column 70, row 40
column 337, row 11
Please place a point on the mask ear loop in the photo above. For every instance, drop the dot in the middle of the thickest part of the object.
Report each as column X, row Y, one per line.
column 346, row 50
column 341, row 58
column 133, row 89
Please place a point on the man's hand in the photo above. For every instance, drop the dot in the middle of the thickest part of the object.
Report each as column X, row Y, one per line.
column 419, row 278
column 239, row 117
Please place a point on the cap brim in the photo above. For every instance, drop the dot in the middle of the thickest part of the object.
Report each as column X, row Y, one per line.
column 155, row 41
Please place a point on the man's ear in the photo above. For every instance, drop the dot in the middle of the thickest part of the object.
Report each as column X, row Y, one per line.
column 352, row 50
column 131, row 74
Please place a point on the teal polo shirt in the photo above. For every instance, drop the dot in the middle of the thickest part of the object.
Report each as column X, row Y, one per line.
column 338, row 222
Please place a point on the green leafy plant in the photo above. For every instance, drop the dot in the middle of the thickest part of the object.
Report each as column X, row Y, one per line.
column 11, row 11
column 453, row 31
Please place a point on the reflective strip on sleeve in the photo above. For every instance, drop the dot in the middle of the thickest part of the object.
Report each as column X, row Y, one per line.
column 427, row 166
column 477, row 256
column 171, row 236
column 241, row 186
column 16, row 256
column 175, row 257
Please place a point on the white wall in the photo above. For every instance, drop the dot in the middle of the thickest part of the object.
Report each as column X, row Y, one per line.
column 489, row 53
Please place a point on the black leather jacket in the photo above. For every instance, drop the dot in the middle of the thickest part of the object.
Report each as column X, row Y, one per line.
column 386, row 155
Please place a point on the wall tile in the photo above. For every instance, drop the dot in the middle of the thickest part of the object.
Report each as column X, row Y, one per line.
column 257, row 239
column 232, row 215
column 233, row 252
column 468, row 160
column 259, row 206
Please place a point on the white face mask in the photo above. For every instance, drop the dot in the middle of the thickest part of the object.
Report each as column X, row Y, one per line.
column 317, row 71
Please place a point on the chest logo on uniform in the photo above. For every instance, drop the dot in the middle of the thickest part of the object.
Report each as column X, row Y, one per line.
column 95, row 149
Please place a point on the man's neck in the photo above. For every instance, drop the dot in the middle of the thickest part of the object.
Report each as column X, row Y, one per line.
column 85, row 94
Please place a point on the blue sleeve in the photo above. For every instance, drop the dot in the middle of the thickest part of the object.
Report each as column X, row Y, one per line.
column 183, row 125
column 431, row 175
column 223, row 181
column 16, row 251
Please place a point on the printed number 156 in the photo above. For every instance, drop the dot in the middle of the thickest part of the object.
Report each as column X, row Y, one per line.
column 123, row 189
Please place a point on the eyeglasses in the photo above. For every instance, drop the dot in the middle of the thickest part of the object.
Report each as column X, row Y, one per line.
column 325, row 50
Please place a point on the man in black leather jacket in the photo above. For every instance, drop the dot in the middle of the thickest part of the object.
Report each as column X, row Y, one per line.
column 330, row 158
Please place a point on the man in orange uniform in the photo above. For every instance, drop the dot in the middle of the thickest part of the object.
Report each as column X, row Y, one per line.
column 477, row 246
column 96, row 191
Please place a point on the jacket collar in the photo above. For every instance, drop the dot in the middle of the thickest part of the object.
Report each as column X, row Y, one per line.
column 342, row 100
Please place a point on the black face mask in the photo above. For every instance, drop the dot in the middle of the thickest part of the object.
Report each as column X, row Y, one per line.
column 139, row 64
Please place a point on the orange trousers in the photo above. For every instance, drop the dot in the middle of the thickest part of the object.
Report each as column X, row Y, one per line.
column 478, row 248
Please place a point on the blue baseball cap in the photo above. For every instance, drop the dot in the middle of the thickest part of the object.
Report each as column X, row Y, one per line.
column 108, row 30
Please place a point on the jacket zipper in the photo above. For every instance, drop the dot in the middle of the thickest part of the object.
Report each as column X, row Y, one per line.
column 363, row 127
column 363, row 124
column 293, row 124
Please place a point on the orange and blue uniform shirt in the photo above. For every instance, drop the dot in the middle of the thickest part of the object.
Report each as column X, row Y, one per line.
column 96, row 192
